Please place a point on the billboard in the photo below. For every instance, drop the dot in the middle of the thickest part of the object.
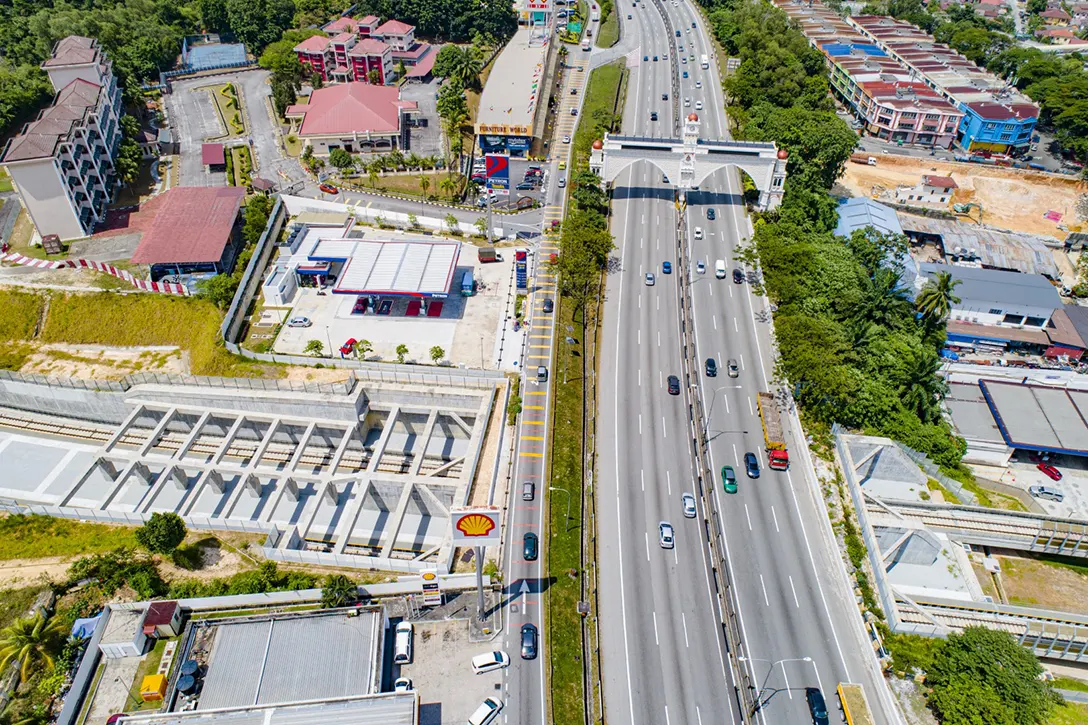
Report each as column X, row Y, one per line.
column 432, row 588
column 498, row 172
column 521, row 267
column 476, row 526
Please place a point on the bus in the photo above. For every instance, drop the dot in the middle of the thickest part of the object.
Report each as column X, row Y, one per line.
column 704, row 62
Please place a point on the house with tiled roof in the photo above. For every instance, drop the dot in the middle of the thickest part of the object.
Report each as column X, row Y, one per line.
column 1055, row 16
column 359, row 118
column 62, row 162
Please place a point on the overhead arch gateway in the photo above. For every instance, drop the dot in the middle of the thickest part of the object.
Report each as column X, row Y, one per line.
column 688, row 161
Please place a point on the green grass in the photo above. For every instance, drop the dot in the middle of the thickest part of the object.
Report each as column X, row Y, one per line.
column 228, row 107
column 564, row 542
column 1068, row 683
column 1065, row 562
column 1069, row 714
column 5, row 182
column 609, row 34
column 15, row 603
column 19, row 313
column 408, row 184
column 935, row 485
column 189, row 323
column 35, row 537
column 149, row 666
column 599, row 108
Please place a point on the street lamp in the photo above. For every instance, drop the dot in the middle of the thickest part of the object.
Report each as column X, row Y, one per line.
column 710, row 411
column 759, row 692
column 556, row 488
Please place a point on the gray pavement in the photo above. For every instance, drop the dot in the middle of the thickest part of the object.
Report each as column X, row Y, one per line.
column 425, row 140
column 192, row 117
column 270, row 162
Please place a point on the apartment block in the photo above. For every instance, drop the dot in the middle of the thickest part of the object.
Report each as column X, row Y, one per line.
column 62, row 162
column 354, row 48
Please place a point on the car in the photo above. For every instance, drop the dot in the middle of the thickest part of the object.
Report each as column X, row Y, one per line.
column 817, row 707
column 562, row 165
column 548, row 305
column 528, row 641
column 711, row 367
column 665, row 535
column 566, row 139
column 666, row 268
column 542, row 373
column 729, row 479
column 403, row 684
column 1049, row 471
column 479, row 178
column 574, row 111
column 328, row 188
column 530, row 546
column 664, row 96
column 673, row 384
column 645, row 58
column 731, row 366
column 580, row 69
column 525, row 186
column 698, row 85
column 738, row 276
column 664, row 56
column 664, row 178
column 486, row 713
column 711, row 215
column 348, row 347
column 574, row 91
column 751, row 465
column 650, row 279
column 693, row 25
column 628, row 16
column 688, row 502
column 655, row 59
column 562, row 182
column 687, row 103
column 489, row 661
column 698, row 233
column 299, row 322
column 653, row 115
column 700, row 267
column 528, row 491
column 698, row 105
column 1046, row 492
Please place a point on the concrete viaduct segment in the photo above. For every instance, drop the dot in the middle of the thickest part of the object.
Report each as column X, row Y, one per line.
column 689, row 160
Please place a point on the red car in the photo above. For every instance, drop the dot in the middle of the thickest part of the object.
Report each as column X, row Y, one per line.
column 328, row 188
column 348, row 347
column 1050, row 471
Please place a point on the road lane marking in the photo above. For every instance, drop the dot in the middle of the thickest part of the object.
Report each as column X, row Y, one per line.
column 666, row 709
column 647, row 535
column 664, row 430
column 656, row 640
column 534, row 407
column 532, row 438
column 735, row 457
column 765, row 599
column 775, row 520
column 715, row 321
column 684, row 619
column 640, row 423
column 787, row 680
column 750, row 408
column 530, row 455
column 795, row 602
column 742, row 361
column 748, row 516
column 642, row 478
column 668, row 480
column 735, row 327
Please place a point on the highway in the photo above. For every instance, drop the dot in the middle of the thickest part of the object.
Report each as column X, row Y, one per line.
column 664, row 652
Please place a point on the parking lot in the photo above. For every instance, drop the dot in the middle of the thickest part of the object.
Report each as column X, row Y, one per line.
column 425, row 140
column 1073, row 486
column 518, row 167
column 193, row 118
column 467, row 329
column 440, row 670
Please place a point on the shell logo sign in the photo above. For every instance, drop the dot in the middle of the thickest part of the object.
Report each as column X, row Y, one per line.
column 476, row 526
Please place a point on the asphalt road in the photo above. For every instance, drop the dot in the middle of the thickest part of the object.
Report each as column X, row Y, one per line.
column 664, row 653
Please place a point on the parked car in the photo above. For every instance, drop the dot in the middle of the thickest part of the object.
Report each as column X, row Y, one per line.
column 403, row 684
column 1047, row 493
column 489, row 661
column 328, row 188
column 525, row 186
column 299, row 322
column 1049, row 471
column 348, row 347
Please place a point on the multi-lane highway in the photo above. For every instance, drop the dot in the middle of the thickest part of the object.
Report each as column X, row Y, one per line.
column 665, row 657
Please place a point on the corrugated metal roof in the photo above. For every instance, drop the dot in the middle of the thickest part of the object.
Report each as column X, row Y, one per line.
column 1009, row 290
column 391, row 267
column 995, row 249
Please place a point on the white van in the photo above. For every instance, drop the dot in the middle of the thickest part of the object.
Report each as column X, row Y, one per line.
column 486, row 712
column 402, row 646
column 719, row 269
column 698, row 233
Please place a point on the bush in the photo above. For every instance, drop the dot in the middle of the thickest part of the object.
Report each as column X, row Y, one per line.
column 338, row 591
column 162, row 533
column 114, row 569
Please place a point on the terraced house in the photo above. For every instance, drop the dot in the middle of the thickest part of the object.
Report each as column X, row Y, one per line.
column 62, row 163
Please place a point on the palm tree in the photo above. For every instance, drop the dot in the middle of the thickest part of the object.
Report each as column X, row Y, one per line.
column 448, row 185
column 27, row 640
column 887, row 303
column 860, row 334
column 372, row 172
column 412, row 161
column 935, row 300
column 424, row 184
column 466, row 68
column 923, row 386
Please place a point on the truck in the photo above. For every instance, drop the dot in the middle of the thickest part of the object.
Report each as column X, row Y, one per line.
column 586, row 45
column 863, row 159
column 854, row 705
column 704, row 62
column 778, row 458
column 488, row 254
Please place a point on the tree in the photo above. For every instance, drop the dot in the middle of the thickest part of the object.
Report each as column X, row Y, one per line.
column 314, row 347
column 363, row 348
column 341, row 159
column 481, row 226
column 374, row 77
column 400, row 70
column 162, row 533
column 129, row 159
column 372, row 174
column 924, row 387
column 413, row 221
column 424, row 185
column 284, row 94
column 213, row 15
column 587, row 192
column 448, row 185
column 29, row 640
column 437, row 353
column 402, row 352
column 219, row 290
column 338, row 591
column 259, row 22
column 256, row 218
column 935, row 300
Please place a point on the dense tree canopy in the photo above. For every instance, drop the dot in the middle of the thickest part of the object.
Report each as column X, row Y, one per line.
column 456, row 20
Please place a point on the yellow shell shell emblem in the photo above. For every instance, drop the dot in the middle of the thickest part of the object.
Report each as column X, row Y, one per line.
column 475, row 525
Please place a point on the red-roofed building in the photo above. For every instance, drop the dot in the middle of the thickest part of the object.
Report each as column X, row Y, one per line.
column 194, row 232
column 401, row 36
column 370, row 54
column 213, row 154
column 356, row 48
column 1060, row 36
column 356, row 117
column 163, row 619
column 1055, row 16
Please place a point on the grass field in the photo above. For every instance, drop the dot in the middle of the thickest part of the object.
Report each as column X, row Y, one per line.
column 15, row 603
column 5, row 182
column 106, row 319
column 19, row 313
column 149, row 666
column 1070, row 714
column 36, row 537
column 1068, row 683
column 609, row 34
column 602, row 91
column 228, row 107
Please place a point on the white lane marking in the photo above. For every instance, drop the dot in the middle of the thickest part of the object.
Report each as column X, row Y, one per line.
column 668, row 480
column 640, row 331
column 742, row 361
column 640, row 423
column 735, row 456
column 735, row 327
column 659, row 303
column 748, row 516
column 667, row 715
column 700, row 715
column 764, row 585
column 642, row 477
column 750, row 409
column 664, row 429
column 787, row 681
column 775, row 520
column 684, row 620
column 730, row 291
column 795, row 602
column 675, row 556
column 640, row 303
column 659, row 338
column 640, row 377
column 715, row 321
column 656, row 640
column 647, row 534
column 711, row 288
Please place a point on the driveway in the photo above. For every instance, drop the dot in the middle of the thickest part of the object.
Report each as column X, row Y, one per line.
column 193, row 119
column 271, row 162
column 425, row 141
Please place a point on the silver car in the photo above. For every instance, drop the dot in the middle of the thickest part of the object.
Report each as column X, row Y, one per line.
column 688, row 501
column 1045, row 492
column 650, row 279
column 665, row 535
column 731, row 366
column 299, row 322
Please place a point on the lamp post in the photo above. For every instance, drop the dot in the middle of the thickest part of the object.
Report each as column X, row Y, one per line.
column 710, row 411
column 556, row 488
column 759, row 691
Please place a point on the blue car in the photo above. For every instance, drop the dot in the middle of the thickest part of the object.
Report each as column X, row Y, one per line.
column 685, row 74
column 666, row 268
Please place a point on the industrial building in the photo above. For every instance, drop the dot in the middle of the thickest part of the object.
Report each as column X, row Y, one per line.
column 515, row 98
column 61, row 163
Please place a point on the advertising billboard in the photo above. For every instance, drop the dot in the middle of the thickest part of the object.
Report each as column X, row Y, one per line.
column 431, row 587
column 498, row 172
column 476, row 526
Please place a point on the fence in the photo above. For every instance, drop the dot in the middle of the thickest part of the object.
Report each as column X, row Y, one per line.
column 129, row 381
column 934, row 471
column 254, row 274
column 190, row 70
column 147, row 286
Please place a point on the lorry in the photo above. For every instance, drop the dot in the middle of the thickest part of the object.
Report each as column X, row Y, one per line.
column 488, row 254
column 778, row 458
column 704, row 62
column 854, row 705
column 863, row 159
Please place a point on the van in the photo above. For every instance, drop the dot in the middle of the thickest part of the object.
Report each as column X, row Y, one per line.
column 486, row 712
column 528, row 491
column 468, row 284
column 402, row 644
column 719, row 268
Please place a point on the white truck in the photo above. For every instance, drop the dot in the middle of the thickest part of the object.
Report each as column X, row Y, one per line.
column 704, row 62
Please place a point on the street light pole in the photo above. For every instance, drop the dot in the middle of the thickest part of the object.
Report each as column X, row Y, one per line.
column 710, row 411
column 556, row 488
column 759, row 691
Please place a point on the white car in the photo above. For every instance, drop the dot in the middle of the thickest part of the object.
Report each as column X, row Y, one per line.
column 698, row 233
column 486, row 712
column 687, row 103
column 698, row 85
column 689, row 505
column 665, row 535
column 566, row 139
column 403, row 684
column 299, row 322
column 650, row 279
column 698, row 105
column 489, row 661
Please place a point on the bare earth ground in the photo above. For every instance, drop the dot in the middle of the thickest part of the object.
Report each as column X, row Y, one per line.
column 1033, row 582
column 1010, row 198
column 316, row 375
column 105, row 363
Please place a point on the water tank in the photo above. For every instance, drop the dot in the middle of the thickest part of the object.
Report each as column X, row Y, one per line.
column 189, row 667
column 186, row 684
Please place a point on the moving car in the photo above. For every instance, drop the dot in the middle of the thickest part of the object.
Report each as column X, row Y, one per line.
column 655, row 59
column 816, row 706
column 664, row 96
column 528, row 491
column 1047, row 493
column 328, row 188
column 666, row 268
column 673, row 385
column 299, row 322
column 700, row 268
column 562, row 180
column 688, row 502
column 738, row 276
column 698, row 105
column 403, row 684
column 566, row 139
column 1049, row 471
column 698, row 84
column 665, row 535
column 486, row 713
column 645, row 58
column 729, row 479
column 719, row 268
column 711, row 215
column 650, row 279
column 751, row 465
column 530, row 546
column 548, row 305
column 528, row 641
column 731, row 366
column 698, row 233
column 542, row 374
column 711, row 367
column 489, row 661
column 653, row 115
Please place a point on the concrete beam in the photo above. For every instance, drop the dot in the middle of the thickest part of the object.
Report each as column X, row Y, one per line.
column 341, row 449
column 99, row 464
column 428, row 431
column 346, row 525
column 243, row 483
column 228, row 440
column 475, row 443
column 383, row 439
column 157, row 431
column 122, row 429
column 392, row 526
column 427, row 493
column 273, row 426
column 302, row 443
column 181, row 481
column 193, row 435
column 284, row 487
column 209, row 478
column 328, row 491
column 459, row 421
column 445, row 466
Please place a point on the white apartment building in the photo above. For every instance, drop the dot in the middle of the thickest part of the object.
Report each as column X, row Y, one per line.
column 62, row 162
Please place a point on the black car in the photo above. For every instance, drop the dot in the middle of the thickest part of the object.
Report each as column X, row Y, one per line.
column 751, row 465
column 528, row 641
column 816, row 706
column 529, row 546
column 525, row 186
column 711, row 214
column 738, row 276
column 674, row 385
column 548, row 305
column 711, row 367
column 664, row 96
column 653, row 115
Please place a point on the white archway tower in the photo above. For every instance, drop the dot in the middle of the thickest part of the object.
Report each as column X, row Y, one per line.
column 689, row 160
